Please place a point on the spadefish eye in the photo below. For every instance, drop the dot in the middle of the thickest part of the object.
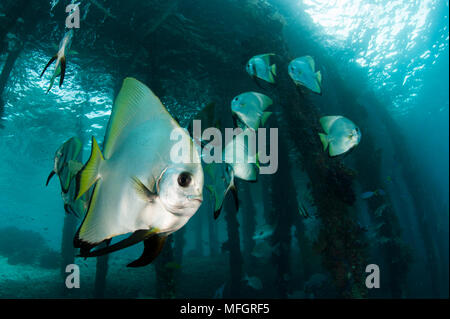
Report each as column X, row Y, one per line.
column 184, row 179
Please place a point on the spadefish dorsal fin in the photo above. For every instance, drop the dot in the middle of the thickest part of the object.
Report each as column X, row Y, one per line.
column 266, row 57
column 327, row 122
column 134, row 104
column 311, row 62
column 265, row 100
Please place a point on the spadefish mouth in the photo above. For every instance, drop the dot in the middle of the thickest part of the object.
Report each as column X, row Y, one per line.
column 197, row 198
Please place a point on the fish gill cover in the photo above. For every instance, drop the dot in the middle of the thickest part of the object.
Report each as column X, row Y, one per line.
column 358, row 94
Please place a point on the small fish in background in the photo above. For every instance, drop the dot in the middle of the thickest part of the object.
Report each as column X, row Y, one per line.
column 263, row 232
column 259, row 67
column 249, row 110
column 302, row 210
column 67, row 164
column 302, row 72
column 341, row 134
column 367, row 195
column 253, row 282
column 221, row 176
column 207, row 117
column 380, row 210
column 243, row 161
column 67, row 159
column 138, row 187
column 60, row 57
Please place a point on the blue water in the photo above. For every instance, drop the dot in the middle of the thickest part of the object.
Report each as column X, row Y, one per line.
column 399, row 50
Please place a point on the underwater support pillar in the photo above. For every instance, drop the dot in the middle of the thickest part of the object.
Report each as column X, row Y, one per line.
column 100, row 276
column 234, row 248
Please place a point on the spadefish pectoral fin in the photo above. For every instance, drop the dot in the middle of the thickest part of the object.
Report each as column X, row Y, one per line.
column 63, row 70
column 143, row 191
column 90, row 172
column 152, row 248
column 48, row 64
column 52, row 173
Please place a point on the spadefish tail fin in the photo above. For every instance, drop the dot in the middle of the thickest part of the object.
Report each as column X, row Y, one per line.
column 48, row 64
column 63, row 70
